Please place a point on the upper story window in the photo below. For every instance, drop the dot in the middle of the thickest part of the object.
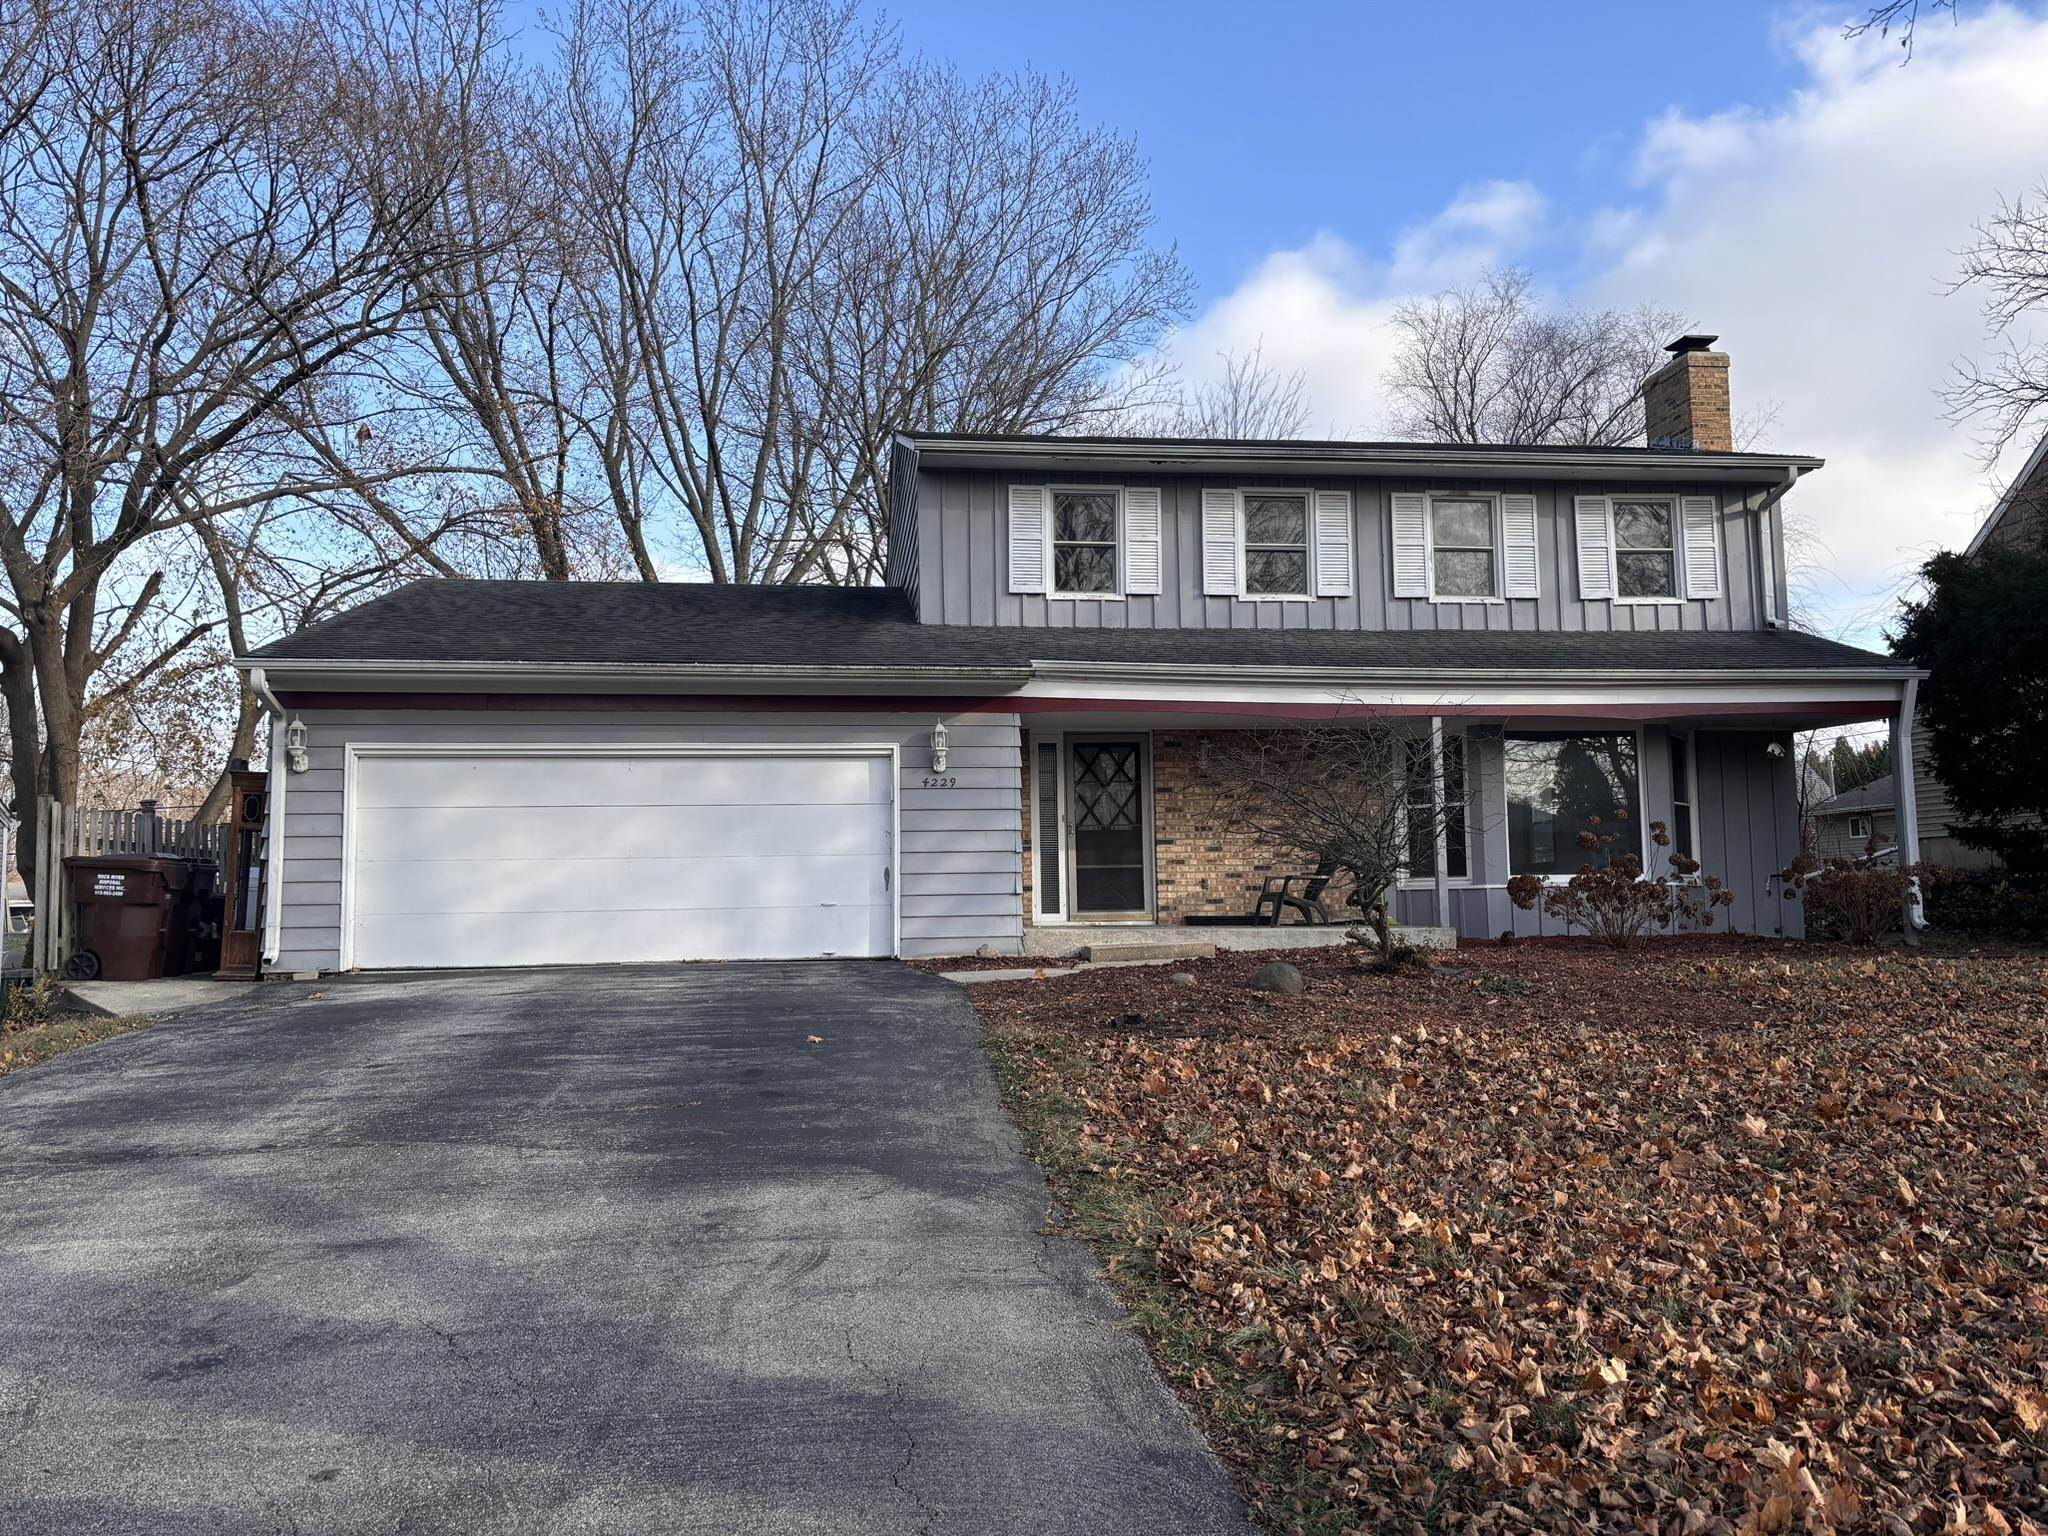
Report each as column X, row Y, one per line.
column 1645, row 551
column 1462, row 546
column 1276, row 544
column 1084, row 542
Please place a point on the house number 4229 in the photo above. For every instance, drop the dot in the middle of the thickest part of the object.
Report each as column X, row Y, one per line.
column 942, row 781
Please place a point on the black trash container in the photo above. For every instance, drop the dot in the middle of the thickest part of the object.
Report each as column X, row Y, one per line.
column 134, row 915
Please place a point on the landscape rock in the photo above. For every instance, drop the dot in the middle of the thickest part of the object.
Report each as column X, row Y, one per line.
column 1181, row 979
column 1277, row 977
column 989, row 952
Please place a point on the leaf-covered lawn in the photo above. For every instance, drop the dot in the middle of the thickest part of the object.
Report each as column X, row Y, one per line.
column 1702, row 1237
column 29, row 1047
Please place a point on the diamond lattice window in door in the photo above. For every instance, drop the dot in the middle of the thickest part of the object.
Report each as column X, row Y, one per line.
column 1106, row 788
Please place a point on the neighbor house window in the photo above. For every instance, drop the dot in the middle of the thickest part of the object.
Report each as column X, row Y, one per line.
column 1084, row 542
column 1645, row 559
column 1557, row 780
column 1681, row 795
column 1275, row 544
column 1859, row 826
column 1462, row 546
column 1422, row 811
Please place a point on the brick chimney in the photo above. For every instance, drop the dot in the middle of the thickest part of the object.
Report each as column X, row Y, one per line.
column 1685, row 403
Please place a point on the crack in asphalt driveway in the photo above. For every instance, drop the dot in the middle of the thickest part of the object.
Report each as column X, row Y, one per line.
column 615, row 1250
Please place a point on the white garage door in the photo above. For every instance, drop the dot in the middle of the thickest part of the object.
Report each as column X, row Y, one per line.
column 578, row 858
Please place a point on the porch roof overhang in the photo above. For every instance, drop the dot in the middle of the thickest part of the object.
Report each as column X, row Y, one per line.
column 1792, row 697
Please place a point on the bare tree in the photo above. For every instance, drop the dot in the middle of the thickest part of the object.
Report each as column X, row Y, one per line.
column 1355, row 799
column 187, row 247
column 1247, row 399
column 1901, row 17
column 2008, row 262
column 1487, row 363
column 808, row 244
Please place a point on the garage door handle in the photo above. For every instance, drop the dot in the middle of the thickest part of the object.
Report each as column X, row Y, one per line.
column 885, row 877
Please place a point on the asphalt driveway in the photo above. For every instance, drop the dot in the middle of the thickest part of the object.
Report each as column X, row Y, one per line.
column 618, row 1250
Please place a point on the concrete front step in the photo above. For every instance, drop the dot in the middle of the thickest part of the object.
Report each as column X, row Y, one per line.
column 1149, row 949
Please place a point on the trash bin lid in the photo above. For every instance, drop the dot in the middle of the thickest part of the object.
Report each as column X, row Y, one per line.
column 172, row 870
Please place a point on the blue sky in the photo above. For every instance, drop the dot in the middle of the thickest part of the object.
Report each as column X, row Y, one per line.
column 1266, row 125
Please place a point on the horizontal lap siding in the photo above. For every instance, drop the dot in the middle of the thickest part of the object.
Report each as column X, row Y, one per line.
column 957, row 859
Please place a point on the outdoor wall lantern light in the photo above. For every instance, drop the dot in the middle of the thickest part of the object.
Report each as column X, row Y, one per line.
column 1776, row 749
column 295, row 746
column 938, row 746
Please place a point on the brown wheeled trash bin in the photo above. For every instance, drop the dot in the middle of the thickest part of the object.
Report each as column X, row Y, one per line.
column 134, row 915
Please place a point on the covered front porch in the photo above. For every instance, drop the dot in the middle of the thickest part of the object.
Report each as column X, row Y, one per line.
column 1123, row 834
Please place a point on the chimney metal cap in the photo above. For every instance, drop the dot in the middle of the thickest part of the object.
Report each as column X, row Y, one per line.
column 1692, row 341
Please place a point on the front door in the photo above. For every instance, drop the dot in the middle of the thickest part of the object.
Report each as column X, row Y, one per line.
column 1111, row 828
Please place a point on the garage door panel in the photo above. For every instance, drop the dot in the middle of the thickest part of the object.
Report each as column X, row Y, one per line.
column 682, row 885
column 575, row 779
column 597, row 832
column 542, row 938
column 572, row 859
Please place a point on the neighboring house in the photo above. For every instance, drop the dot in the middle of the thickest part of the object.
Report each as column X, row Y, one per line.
column 1858, row 821
column 2024, row 501
column 1007, row 735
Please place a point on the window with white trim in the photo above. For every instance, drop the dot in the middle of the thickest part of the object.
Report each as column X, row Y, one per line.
column 1645, row 547
column 1859, row 826
column 1463, row 545
column 1422, row 818
column 1556, row 782
column 1084, row 543
column 1276, row 544
column 1681, row 796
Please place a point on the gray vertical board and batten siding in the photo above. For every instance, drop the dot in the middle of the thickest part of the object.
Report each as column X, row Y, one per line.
column 1746, row 817
column 958, row 858
column 962, row 576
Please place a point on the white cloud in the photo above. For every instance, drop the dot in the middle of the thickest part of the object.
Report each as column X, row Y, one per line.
column 1816, row 236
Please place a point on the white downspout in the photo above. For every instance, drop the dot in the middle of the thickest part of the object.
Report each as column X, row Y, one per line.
column 273, row 831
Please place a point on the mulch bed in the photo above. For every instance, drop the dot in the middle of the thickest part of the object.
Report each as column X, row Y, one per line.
column 1709, row 1236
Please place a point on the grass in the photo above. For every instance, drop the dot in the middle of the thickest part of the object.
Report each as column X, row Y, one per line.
column 33, row 1033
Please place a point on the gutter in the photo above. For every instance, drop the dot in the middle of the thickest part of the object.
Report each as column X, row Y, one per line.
column 1150, row 671
column 1772, row 546
column 599, row 670
column 935, row 450
column 273, row 830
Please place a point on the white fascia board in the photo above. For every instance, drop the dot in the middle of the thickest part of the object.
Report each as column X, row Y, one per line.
column 1518, row 691
column 939, row 452
column 614, row 677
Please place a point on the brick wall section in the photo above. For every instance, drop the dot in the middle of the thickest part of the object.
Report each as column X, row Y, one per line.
column 1685, row 403
column 1199, row 865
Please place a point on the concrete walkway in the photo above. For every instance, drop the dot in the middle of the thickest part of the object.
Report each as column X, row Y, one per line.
column 711, row 1249
column 154, row 999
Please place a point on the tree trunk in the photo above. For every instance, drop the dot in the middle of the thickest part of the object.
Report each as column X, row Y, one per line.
column 18, row 688
column 243, row 746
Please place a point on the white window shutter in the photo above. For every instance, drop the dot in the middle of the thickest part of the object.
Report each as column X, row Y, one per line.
column 1520, row 567
column 1411, row 543
column 1702, row 553
column 1142, row 560
column 1030, row 537
column 1333, row 544
column 1222, row 545
column 1595, row 523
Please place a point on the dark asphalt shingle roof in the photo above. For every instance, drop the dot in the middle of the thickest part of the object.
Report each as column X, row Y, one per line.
column 629, row 623
column 1875, row 796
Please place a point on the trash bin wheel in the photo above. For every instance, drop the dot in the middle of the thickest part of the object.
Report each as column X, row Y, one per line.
column 83, row 966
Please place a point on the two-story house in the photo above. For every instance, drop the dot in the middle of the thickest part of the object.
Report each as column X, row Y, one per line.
column 1001, row 745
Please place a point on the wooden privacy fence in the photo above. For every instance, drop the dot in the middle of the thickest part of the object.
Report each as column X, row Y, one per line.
column 64, row 831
